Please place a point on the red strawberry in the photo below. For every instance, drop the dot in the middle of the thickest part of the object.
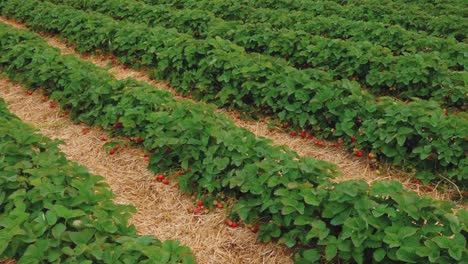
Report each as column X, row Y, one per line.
column 319, row 144
column 359, row 154
column 52, row 105
column 285, row 125
column 196, row 211
column 353, row 139
column 125, row 67
column 303, row 134
column 85, row 131
column 117, row 147
column 160, row 177
column 139, row 139
column 228, row 222
column 416, row 181
column 310, row 137
column 219, row 206
column 255, row 229
column 336, row 145
column 166, row 182
column 103, row 139
column 118, row 125
column 234, row 225
column 110, row 57
column 293, row 134
column 200, row 204
column 29, row 92
column 111, row 152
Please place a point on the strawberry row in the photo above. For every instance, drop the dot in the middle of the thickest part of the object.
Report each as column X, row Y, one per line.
column 436, row 8
column 293, row 197
column 54, row 211
column 407, row 16
column 416, row 134
column 394, row 37
column 422, row 75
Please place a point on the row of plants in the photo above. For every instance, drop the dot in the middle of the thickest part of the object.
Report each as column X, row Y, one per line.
column 375, row 67
column 293, row 198
column 433, row 7
column 55, row 211
column 394, row 37
column 389, row 12
column 418, row 134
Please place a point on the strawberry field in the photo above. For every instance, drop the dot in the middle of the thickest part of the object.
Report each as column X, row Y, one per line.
column 383, row 79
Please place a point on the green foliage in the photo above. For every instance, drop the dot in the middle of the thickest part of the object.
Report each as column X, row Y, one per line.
column 218, row 71
column 55, row 211
column 384, row 72
column 293, row 197
column 331, row 25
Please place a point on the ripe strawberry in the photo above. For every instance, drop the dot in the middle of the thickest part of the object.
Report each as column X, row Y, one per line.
column 310, row 137
column 110, row 57
column 219, row 206
column 234, row 225
column 28, row 92
column 117, row 147
column 255, row 229
column 166, row 182
column 353, row 139
column 228, row 222
column 293, row 134
column 336, row 145
column 200, row 204
column 303, row 134
column 196, row 211
column 125, row 67
column 103, row 139
column 111, row 152
column 85, row 131
column 118, row 125
column 359, row 154
column 160, row 177
column 285, row 125
column 416, row 181
column 139, row 139
column 52, row 105
column 319, row 144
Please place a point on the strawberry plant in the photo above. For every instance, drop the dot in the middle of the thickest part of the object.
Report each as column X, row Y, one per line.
column 333, row 26
column 424, row 75
column 55, row 211
column 293, row 198
column 217, row 71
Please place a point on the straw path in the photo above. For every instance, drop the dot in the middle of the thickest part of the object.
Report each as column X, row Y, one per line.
column 350, row 166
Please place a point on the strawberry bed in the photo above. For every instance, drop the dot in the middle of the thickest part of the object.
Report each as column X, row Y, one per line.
column 393, row 37
column 378, row 69
column 418, row 134
column 293, row 198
